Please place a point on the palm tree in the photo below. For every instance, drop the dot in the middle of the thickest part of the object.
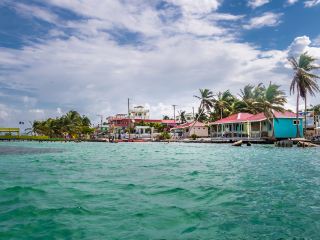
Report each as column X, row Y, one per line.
column 272, row 100
column 304, row 81
column 201, row 116
column 316, row 109
column 249, row 95
column 223, row 102
column 182, row 116
column 206, row 101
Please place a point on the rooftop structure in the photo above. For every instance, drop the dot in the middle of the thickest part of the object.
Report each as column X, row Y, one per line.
column 139, row 112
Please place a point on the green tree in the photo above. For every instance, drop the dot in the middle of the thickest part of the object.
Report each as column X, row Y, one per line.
column 206, row 101
column 223, row 102
column 303, row 82
column 182, row 116
column 316, row 109
column 272, row 100
column 71, row 123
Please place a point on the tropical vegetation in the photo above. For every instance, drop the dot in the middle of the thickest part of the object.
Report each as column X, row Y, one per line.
column 304, row 82
column 71, row 125
column 253, row 99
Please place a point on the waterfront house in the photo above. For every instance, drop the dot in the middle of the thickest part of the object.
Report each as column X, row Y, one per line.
column 246, row 125
column 186, row 130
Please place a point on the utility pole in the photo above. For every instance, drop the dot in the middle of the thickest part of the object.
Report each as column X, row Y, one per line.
column 193, row 113
column 101, row 119
column 174, row 112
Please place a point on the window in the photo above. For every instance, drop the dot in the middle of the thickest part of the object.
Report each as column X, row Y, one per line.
column 296, row 122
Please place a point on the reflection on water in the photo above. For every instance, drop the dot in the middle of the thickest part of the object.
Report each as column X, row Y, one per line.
column 6, row 150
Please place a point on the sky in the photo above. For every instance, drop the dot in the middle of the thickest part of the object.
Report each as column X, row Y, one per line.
column 91, row 55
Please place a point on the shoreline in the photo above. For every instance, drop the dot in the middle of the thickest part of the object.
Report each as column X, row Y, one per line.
column 212, row 141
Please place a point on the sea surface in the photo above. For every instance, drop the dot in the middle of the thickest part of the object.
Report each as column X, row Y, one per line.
column 158, row 191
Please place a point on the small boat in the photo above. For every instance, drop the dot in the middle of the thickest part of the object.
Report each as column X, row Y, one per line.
column 237, row 144
column 248, row 144
column 306, row 144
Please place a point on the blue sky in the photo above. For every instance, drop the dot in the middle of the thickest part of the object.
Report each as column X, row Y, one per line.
column 90, row 55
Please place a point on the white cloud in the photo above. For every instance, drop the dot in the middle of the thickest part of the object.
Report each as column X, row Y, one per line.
column 198, row 6
column 257, row 3
column 311, row 3
column 37, row 12
column 199, row 27
column 224, row 17
column 316, row 41
column 299, row 46
column 291, row 2
column 268, row 19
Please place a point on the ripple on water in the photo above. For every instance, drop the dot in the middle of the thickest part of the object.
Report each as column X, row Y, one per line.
column 158, row 191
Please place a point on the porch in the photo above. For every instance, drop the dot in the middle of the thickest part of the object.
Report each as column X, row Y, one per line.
column 241, row 130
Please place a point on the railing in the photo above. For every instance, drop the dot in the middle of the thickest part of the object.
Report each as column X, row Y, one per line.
column 229, row 134
column 239, row 135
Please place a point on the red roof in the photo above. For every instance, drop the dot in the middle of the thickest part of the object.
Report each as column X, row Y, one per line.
column 261, row 116
column 189, row 124
column 247, row 117
column 168, row 121
column 238, row 117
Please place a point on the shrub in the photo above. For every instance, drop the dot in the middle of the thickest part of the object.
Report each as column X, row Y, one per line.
column 164, row 136
column 194, row 136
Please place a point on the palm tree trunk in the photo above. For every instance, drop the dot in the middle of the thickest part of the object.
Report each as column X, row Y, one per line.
column 196, row 120
column 272, row 127
column 305, row 115
column 297, row 115
column 221, row 113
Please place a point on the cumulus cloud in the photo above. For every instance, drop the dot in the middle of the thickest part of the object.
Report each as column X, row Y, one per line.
column 268, row 19
column 257, row 3
column 299, row 45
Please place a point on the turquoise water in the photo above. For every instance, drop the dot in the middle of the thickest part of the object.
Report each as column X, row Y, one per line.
column 158, row 191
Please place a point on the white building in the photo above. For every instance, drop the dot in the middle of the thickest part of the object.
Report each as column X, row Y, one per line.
column 139, row 112
column 188, row 116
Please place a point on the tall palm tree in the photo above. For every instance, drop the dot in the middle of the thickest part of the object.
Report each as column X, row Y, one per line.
column 272, row 100
column 303, row 82
column 206, row 103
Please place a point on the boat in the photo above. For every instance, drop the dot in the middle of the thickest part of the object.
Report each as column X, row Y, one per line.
column 237, row 144
column 306, row 144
